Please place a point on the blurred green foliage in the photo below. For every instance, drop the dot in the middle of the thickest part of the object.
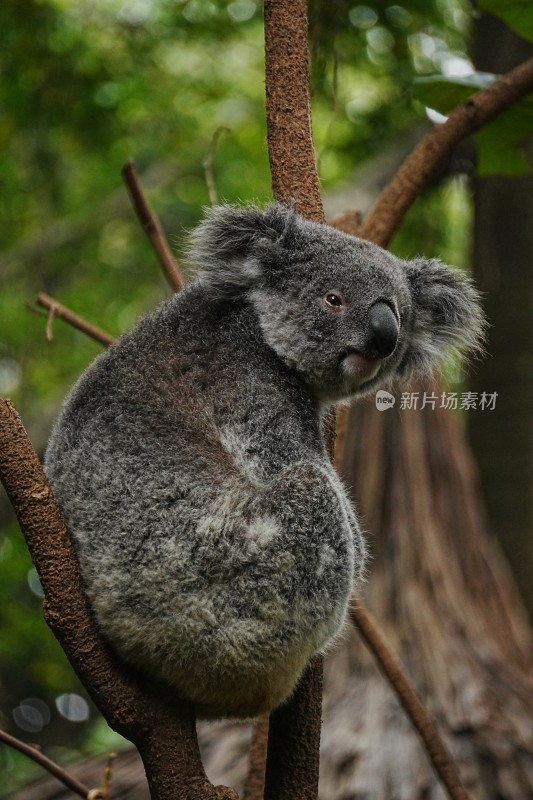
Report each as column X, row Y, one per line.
column 87, row 84
column 518, row 14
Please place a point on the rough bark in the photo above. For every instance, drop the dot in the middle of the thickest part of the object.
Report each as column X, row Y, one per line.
column 294, row 733
column 289, row 135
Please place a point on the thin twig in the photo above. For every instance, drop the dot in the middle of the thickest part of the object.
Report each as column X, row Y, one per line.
column 208, row 165
column 254, row 785
column 152, row 227
column 421, row 164
column 106, row 778
column 47, row 763
column 50, row 322
column 389, row 664
column 58, row 310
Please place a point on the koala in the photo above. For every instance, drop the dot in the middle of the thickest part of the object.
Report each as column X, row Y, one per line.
column 217, row 545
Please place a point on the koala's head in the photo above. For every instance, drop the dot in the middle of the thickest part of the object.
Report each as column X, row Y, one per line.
column 343, row 312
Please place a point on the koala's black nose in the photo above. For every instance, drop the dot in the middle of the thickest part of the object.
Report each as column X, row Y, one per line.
column 383, row 330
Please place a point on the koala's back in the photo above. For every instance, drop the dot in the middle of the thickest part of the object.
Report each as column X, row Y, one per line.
column 159, row 460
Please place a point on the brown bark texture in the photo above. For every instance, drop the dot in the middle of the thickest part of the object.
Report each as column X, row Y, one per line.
column 289, row 134
column 292, row 765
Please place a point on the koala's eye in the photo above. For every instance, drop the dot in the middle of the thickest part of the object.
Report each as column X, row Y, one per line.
column 335, row 301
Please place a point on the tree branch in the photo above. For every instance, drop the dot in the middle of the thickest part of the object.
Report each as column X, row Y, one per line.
column 106, row 777
column 294, row 735
column 51, row 766
column 289, row 134
column 152, row 227
column 139, row 710
column 208, row 165
column 58, row 310
column 155, row 233
column 417, row 169
column 70, row 230
column 294, row 741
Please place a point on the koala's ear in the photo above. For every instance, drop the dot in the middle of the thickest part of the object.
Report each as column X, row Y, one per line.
column 232, row 246
column 446, row 316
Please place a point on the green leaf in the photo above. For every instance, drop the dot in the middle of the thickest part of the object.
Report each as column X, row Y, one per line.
column 498, row 143
column 444, row 94
column 518, row 14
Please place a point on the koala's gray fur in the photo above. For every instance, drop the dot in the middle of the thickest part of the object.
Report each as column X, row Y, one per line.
column 218, row 547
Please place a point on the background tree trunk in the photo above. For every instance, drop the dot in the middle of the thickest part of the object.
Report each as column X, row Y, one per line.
column 503, row 267
column 441, row 592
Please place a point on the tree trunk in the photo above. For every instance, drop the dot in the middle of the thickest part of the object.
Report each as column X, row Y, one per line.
column 443, row 596
column 502, row 257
